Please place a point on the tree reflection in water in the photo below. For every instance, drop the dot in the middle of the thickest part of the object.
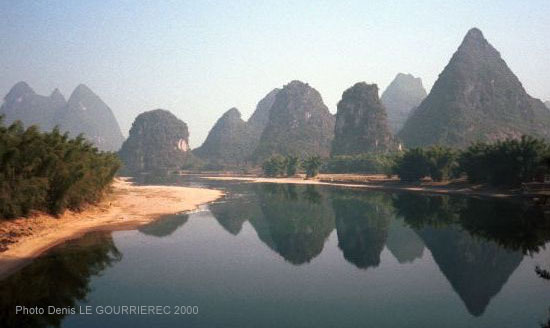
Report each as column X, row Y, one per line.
column 60, row 279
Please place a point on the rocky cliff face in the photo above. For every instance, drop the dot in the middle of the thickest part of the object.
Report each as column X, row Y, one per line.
column 260, row 117
column 476, row 98
column 84, row 113
column 158, row 141
column 229, row 142
column 403, row 94
column 361, row 123
column 299, row 124
column 547, row 103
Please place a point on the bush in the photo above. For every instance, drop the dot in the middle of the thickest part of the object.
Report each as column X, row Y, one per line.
column 274, row 166
column 49, row 171
column 413, row 165
column 509, row 162
column 291, row 163
column 363, row 163
column 312, row 165
column 442, row 162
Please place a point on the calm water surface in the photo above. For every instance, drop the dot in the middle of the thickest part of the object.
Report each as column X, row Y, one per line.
column 304, row 256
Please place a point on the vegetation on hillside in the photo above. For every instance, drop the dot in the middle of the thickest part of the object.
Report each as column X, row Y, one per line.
column 50, row 172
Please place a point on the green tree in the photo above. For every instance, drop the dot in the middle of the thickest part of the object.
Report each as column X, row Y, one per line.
column 274, row 166
column 509, row 162
column 312, row 165
column 442, row 162
column 413, row 165
column 291, row 163
column 49, row 171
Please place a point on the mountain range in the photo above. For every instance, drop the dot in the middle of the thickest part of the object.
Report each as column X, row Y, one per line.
column 84, row 113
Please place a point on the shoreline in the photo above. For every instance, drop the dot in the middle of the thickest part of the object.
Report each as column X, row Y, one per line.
column 124, row 208
column 380, row 184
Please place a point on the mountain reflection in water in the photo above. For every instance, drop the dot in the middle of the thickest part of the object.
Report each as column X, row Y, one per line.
column 476, row 244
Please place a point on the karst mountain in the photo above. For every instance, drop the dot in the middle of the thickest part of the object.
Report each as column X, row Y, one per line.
column 476, row 98
column 84, row 113
column 361, row 123
column 403, row 94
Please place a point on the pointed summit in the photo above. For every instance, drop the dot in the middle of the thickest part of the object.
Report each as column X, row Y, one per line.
column 86, row 113
column 229, row 142
column 57, row 97
column 23, row 104
column 20, row 89
column 476, row 98
column 403, row 94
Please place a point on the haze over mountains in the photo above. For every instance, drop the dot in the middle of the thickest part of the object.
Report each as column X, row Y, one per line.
column 84, row 113
column 232, row 140
column 476, row 98
column 403, row 94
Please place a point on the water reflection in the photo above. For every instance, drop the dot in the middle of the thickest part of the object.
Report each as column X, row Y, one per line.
column 295, row 225
column 403, row 242
column 476, row 244
column 59, row 279
column 362, row 222
column 165, row 226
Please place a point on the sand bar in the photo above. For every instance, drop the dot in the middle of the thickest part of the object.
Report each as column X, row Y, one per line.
column 126, row 207
column 376, row 182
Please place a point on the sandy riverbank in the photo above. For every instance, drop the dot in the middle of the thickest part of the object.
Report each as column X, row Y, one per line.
column 126, row 207
column 379, row 182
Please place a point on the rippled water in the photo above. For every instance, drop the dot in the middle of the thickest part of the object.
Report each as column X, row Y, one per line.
column 274, row 255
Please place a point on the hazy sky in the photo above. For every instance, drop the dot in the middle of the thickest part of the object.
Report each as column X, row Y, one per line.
column 200, row 58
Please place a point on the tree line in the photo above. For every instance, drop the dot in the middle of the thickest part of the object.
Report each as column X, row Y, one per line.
column 507, row 163
column 288, row 166
column 50, row 172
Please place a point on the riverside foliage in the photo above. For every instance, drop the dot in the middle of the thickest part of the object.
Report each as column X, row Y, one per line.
column 48, row 171
column 503, row 163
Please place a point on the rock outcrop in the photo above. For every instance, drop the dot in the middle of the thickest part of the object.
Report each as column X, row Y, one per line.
column 547, row 103
column 158, row 141
column 361, row 123
column 299, row 124
column 476, row 98
column 403, row 94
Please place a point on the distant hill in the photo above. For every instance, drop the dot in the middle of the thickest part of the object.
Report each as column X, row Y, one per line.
column 23, row 104
column 230, row 141
column 299, row 124
column 403, row 94
column 476, row 98
column 84, row 113
column 361, row 123
column 158, row 141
